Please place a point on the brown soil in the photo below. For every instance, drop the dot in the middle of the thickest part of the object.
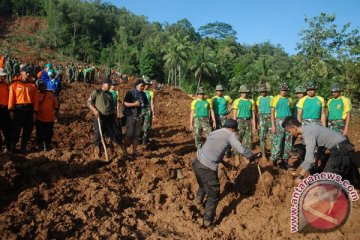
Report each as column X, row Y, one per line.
column 66, row 193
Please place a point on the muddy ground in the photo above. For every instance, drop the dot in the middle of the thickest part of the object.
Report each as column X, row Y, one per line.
column 67, row 193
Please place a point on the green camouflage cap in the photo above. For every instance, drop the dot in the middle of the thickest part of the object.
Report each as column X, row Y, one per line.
column 200, row 90
column 300, row 89
column 310, row 85
column 285, row 87
column 219, row 88
column 244, row 89
column 262, row 88
column 335, row 87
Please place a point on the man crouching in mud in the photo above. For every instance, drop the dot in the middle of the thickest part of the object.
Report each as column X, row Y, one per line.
column 318, row 136
column 206, row 163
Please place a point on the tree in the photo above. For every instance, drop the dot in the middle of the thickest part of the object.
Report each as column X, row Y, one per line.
column 217, row 30
column 203, row 65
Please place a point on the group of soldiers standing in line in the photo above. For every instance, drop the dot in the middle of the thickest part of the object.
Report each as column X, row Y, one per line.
column 267, row 114
column 321, row 126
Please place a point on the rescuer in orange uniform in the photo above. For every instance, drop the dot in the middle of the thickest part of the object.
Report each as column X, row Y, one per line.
column 23, row 106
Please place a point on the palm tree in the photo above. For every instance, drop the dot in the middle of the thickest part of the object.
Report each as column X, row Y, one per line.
column 176, row 56
column 204, row 67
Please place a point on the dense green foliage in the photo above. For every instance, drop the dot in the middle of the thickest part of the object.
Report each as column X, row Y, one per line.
column 177, row 54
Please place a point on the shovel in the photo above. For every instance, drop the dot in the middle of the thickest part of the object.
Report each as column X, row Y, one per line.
column 102, row 141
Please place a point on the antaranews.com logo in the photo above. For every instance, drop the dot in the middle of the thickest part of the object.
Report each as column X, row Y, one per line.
column 322, row 202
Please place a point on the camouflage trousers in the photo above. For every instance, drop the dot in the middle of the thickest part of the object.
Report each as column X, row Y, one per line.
column 281, row 145
column 220, row 121
column 245, row 132
column 147, row 124
column 265, row 125
column 337, row 125
column 201, row 125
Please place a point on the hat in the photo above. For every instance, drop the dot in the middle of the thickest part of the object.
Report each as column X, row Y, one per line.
column 310, row 85
column 2, row 72
column 114, row 82
column 200, row 90
column 300, row 89
column 230, row 123
column 51, row 73
column 219, row 88
column 25, row 69
column 285, row 87
column 262, row 88
column 244, row 89
column 335, row 87
column 48, row 65
column 107, row 81
column 147, row 81
column 139, row 81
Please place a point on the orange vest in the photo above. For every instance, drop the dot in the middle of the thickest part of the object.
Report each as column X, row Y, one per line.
column 2, row 61
column 23, row 93
column 47, row 106
column 4, row 94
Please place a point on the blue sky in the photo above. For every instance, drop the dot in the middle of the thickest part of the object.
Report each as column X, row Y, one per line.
column 255, row 21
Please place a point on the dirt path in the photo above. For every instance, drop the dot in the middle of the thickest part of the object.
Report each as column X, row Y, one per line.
column 66, row 193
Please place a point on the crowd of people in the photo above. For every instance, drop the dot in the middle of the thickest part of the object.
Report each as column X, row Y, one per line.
column 30, row 96
column 28, row 99
column 278, row 120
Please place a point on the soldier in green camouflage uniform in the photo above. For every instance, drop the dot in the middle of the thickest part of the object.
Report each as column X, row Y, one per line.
column 220, row 105
column 339, row 108
column 244, row 114
column 199, row 117
column 148, row 112
column 281, row 107
column 264, row 113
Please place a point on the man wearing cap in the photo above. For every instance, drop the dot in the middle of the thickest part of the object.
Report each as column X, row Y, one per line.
column 101, row 103
column 148, row 111
column 221, row 106
column 244, row 114
column 199, row 116
column 339, row 108
column 311, row 108
column 264, row 113
column 135, row 101
column 23, row 106
column 205, row 166
column 5, row 123
column 300, row 92
column 281, row 107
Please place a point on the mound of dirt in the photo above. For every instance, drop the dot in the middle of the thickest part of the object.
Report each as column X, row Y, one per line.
column 66, row 193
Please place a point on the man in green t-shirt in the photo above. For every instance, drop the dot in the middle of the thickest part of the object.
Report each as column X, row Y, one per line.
column 221, row 105
column 244, row 114
column 101, row 103
column 339, row 108
column 281, row 107
column 201, row 109
column 311, row 108
column 300, row 92
column 264, row 116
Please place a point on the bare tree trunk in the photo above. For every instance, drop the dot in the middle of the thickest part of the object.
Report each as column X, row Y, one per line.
column 199, row 81
column 179, row 68
column 168, row 81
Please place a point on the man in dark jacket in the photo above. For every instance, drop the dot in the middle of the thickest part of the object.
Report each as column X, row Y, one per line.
column 135, row 101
